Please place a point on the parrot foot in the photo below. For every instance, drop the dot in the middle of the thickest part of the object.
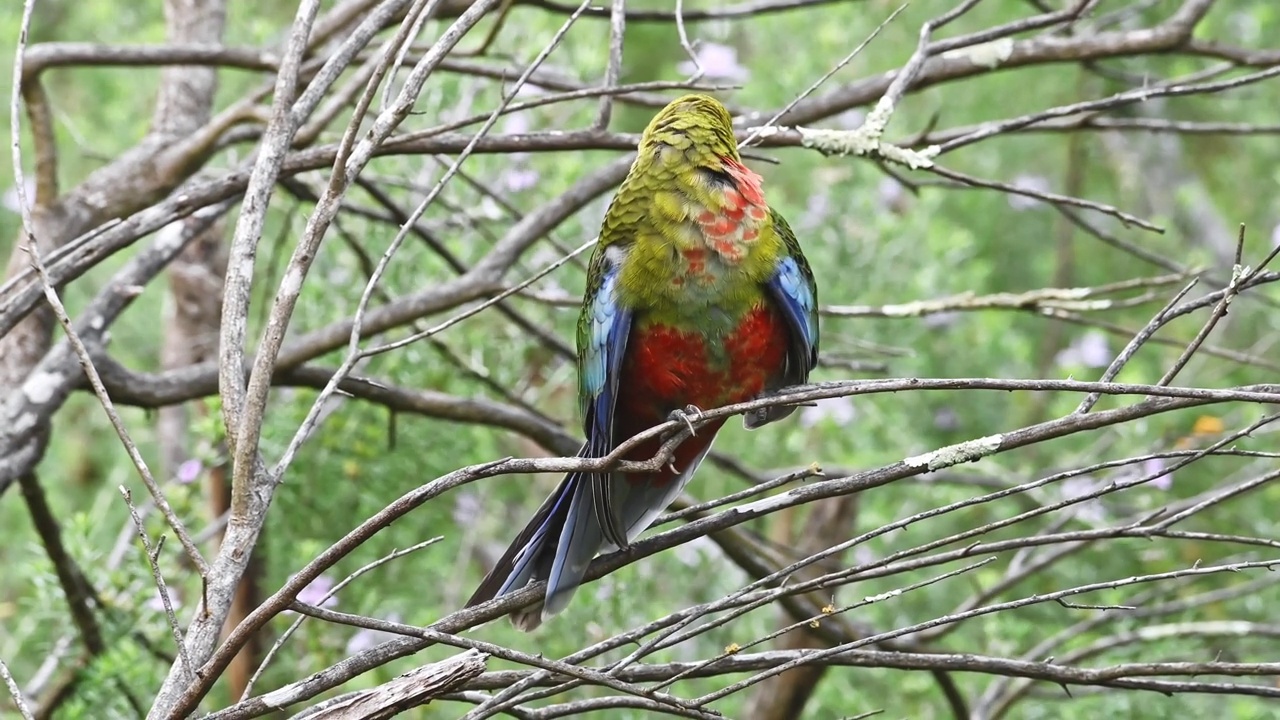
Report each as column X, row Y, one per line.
column 687, row 415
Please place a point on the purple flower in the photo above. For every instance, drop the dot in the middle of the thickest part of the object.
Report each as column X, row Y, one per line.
column 467, row 509
column 517, row 179
column 1152, row 466
column 863, row 555
column 839, row 410
column 851, row 119
column 1035, row 183
column 516, row 124
column 1087, row 510
column 338, row 276
column 696, row 552
column 189, row 471
column 1245, row 27
column 10, row 199
column 367, row 639
column 934, row 321
column 717, row 61
column 891, row 193
column 1090, row 350
column 604, row 588
column 155, row 603
column 816, row 210
column 529, row 90
column 316, row 590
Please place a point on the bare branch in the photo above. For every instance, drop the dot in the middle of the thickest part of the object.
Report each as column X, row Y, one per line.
column 416, row 687
column 15, row 693
column 1054, row 505
column 95, row 381
column 284, row 637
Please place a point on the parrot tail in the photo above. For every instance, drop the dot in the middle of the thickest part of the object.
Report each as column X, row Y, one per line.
column 564, row 535
column 532, row 554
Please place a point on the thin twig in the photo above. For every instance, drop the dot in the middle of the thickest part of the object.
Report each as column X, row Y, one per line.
column 698, row 71
column 617, row 29
column 158, row 577
column 977, row 612
column 95, row 381
column 763, row 129
column 1131, row 348
column 329, row 204
column 1049, row 197
column 284, row 637
column 1240, row 277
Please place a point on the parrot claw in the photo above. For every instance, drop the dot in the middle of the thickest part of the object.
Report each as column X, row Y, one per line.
column 688, row 415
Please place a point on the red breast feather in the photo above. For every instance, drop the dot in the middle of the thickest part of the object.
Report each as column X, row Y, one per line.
column 668, row 369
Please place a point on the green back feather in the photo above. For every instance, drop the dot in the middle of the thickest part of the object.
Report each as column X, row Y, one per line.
column 650, row 217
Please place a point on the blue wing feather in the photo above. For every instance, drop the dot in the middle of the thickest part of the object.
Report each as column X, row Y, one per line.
column 795, row 294
column 569, row 530
column 589, row 520
column 792, row 288
column 603, row 347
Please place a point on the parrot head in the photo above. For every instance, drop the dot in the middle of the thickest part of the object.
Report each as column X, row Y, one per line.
column 691, row 130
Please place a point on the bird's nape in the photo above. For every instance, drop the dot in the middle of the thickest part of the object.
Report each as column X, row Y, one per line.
column 698, row 119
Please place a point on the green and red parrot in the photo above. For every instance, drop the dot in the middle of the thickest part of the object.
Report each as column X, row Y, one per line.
column 697, row 295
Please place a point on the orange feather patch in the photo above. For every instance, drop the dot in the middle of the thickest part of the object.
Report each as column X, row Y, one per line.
column 741, row 210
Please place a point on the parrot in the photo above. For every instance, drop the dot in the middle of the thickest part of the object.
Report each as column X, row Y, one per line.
column 698, row 295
